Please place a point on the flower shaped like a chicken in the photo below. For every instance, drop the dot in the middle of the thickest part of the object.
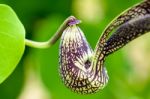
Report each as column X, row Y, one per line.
column 82, row 69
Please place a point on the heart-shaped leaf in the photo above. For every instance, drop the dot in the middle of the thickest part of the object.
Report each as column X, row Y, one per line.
column 12, row 41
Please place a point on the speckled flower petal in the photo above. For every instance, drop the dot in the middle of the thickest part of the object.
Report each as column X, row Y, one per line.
column 75, row 57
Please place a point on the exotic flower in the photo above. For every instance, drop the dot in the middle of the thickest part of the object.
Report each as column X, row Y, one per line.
column 75, row 63
column 81, row 68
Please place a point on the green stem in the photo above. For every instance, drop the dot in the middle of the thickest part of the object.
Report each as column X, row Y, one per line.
column 36, row 44
column 54, row 38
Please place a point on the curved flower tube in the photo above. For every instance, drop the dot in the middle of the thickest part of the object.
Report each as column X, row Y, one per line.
column 81, row 68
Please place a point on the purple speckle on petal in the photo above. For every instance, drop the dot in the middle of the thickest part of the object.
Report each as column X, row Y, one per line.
column 73, row 22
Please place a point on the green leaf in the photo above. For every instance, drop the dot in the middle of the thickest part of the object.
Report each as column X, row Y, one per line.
column 12, row 41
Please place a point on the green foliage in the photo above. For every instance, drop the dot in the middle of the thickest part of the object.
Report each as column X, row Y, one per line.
column 12, row 36
column 41, row 19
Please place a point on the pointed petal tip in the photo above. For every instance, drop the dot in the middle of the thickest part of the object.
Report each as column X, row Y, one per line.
column 73, row 21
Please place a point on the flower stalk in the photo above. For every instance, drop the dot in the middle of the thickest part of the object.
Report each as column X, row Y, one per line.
column 69, row 21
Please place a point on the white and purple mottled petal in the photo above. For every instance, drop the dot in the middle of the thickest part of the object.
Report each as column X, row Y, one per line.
column 75, row 62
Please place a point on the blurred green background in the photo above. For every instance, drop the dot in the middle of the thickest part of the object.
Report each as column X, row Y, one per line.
column 37, row 75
